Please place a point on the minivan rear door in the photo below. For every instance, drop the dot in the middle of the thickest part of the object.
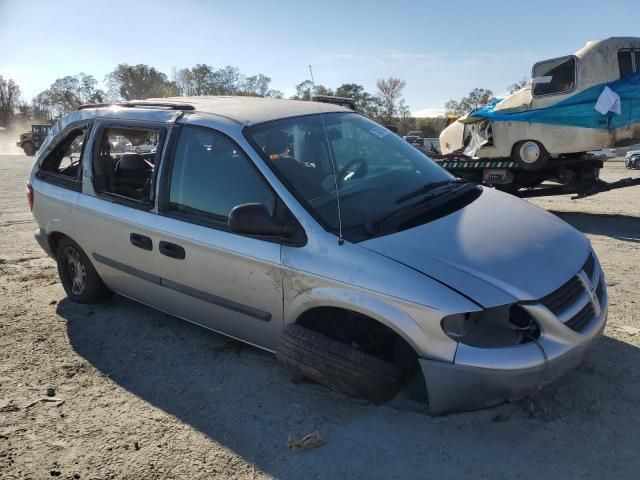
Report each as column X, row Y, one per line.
column 117, row 212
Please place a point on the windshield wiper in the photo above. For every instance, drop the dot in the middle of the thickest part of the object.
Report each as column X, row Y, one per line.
column 431, row 188
column 435, row 197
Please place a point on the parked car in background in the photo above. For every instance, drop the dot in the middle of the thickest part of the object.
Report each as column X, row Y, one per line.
column 604, row 153
column 633, row 160
column 321, row 236
column 632, row 153
column 432, row 146
column 415, row 141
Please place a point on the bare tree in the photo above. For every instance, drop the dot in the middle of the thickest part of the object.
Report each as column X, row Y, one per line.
column 391, row 93
column 514, row 87
column 9, row 100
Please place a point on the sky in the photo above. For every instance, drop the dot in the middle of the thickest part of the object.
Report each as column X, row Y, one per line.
column 442, row 49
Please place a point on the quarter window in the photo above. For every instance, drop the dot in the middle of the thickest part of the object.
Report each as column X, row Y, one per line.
column 65, row 159
column 211, row 175
column 554, row 76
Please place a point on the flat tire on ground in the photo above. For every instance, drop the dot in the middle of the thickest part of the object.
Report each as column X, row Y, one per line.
column 338, row 366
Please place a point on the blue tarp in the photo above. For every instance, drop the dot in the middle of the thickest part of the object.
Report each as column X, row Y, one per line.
column 578, row 110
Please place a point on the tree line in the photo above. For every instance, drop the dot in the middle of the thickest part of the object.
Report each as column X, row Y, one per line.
column 127, row 82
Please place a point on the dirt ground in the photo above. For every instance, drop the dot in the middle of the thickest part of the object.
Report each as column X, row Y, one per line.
column 145, row 395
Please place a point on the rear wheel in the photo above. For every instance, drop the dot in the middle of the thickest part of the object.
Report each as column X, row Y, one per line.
column 338, row 366
column 530, row 155
column 80, row 280
column 29, row 149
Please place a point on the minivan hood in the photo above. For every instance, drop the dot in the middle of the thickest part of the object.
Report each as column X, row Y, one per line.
column 497, row 250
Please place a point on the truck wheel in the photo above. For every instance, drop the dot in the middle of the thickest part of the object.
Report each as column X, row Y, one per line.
column 636, row 165
column 29, row 149
column 80, row 280
column 530, row 155
column 338, row 366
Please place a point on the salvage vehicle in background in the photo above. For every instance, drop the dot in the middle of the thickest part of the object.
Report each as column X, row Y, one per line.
column 31, row 141
column 322, row 236
column 572, row 105
column 632, row 161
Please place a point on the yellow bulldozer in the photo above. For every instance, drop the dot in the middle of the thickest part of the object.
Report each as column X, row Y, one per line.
column 31, row 141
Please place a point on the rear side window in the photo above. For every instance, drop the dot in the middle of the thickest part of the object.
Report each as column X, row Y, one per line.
column 554, row 76
column 63, row 163
column 125, row 159
column 211, row 175
column 628, row 62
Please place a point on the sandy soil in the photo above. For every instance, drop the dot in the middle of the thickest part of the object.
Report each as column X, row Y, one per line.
column 144, row 395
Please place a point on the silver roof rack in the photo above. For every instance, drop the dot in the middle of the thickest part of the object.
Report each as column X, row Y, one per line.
column 140, row 104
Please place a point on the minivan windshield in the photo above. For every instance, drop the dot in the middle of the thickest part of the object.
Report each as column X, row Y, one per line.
column 377, row 173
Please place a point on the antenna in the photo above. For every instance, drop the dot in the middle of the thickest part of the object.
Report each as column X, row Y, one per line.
column 333, row 162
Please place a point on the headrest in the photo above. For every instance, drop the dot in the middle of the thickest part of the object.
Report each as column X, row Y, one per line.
column 132, row 161
column 276, row 143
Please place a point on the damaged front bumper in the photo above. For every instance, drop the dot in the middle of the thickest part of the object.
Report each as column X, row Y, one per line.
column 484, row 377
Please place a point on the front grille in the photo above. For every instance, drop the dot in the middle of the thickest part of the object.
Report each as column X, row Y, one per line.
column 580, row 319
column 589, row 265
column 573, row 291
column 564, row 297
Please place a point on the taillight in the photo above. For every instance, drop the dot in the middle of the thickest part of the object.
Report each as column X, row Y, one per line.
column 30, row 196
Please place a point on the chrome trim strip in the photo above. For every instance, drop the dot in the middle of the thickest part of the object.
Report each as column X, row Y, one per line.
column 185, row 289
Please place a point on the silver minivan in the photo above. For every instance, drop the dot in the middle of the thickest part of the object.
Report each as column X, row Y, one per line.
column 308, row 230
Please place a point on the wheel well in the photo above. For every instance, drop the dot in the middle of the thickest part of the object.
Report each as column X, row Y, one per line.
column 54, row 239
column 362, row 332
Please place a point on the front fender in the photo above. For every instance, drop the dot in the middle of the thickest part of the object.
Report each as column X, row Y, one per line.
column 400, row 316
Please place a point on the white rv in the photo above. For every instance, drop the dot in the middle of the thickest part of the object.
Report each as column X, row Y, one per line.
column 555, row 113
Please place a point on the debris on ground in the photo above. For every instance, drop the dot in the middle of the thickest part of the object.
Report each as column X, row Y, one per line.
column 9, row 407
column 58, row 401
column 308, row 442
column 51, row 392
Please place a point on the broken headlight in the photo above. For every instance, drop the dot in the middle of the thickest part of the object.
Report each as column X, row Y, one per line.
column 502, row 326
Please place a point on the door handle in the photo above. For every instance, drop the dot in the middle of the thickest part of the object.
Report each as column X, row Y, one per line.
column 141, row 241
column 171, row 250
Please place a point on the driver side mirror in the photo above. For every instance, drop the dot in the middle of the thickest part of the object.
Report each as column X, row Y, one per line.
column 254, row 219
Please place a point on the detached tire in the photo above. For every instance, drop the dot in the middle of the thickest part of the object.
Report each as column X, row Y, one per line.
column 79, row 279
column 29, row 149
column 530, row 155
column 338, row 366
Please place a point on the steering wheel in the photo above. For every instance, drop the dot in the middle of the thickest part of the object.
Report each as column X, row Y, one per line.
column 361, row 171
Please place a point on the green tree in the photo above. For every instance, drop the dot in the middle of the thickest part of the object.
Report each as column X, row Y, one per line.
column 367, row 104
column 304, row 91
column 259, row 86
column 67, row 94
column 132, row 82
column 478, row 97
